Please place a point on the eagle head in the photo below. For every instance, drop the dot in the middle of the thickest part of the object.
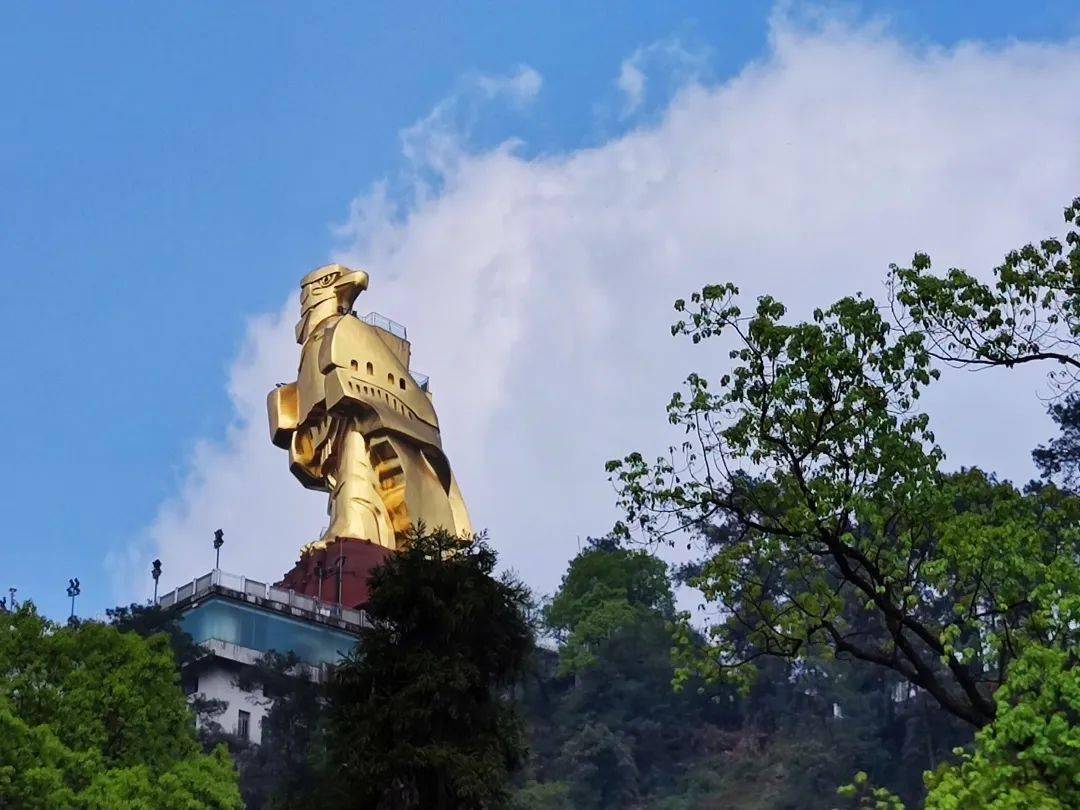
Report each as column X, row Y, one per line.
column 330, row 290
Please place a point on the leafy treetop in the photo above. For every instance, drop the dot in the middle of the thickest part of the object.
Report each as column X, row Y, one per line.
column 829, row 525
column 91, row 717
column 418, row 715
column 1030, row 312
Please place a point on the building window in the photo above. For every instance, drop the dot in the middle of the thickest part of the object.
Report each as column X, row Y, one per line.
column 401, row 383
column 243, row 725
column 370, row 368
column 390, row 378
column 355, row 365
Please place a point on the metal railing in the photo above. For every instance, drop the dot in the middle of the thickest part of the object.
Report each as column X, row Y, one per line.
column 283, row 598
column 382, row 322
column 420, row 379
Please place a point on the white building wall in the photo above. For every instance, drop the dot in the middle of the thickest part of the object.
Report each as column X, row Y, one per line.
column 218, row 682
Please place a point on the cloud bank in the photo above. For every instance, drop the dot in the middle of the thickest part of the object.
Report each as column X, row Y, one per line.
column 537, row 290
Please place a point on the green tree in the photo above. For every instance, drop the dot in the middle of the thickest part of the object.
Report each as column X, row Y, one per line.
column 607, row 591
column 830, row 529
column 1029, row 313
column 846, row 537
column 600, row 767
column 94, row 718
column 605, row 570
column 606, row 723
column 418, row 716
column 609, row 731
column 150, row 620
column 1025, row 760
column 1059, row 459
column 1029, row 758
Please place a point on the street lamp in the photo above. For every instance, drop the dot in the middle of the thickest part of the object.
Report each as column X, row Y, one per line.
column 155, row 572
column 73, row 590
column 219, row 541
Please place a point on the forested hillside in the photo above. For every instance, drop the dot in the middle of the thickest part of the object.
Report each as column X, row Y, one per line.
column 608, row 730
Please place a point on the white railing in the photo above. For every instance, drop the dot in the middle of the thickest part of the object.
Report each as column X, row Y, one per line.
column 260, row 590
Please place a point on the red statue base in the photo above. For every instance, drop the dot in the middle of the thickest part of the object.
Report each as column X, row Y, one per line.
column 336, row 573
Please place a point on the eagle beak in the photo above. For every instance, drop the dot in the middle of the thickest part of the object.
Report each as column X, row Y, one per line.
column 348, row 287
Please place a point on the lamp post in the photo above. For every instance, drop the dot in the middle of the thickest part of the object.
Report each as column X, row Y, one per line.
column 219, row 541
column 155, row 572
column 322, row 572
column 340, row 572
column 73, row 590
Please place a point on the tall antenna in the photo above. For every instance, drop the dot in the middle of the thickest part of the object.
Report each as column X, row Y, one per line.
column 219, row 541
column 155, row 572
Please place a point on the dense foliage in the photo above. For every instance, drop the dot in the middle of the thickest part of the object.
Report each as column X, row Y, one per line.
column 1030, row 756
column 418, row 716
column 608, row 730
column 91, row 717
column 608, row 593
column 816, row 484
column 151, row 620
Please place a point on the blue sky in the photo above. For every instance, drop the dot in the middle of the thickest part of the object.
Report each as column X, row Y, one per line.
column 169, row 171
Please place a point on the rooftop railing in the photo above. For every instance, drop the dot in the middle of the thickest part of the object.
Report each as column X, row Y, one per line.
column 283, row 599
column 382, row 322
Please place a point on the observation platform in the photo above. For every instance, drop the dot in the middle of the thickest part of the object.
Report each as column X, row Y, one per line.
column 236, row 620
column 227, row 613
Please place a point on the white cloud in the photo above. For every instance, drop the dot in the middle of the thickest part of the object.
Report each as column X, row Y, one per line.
column 435, row 142
column 537, row 291
column 521, row 87
column 631, row 82
column 668, row 59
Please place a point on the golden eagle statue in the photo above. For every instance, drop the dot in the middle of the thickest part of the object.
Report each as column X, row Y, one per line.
column 358, row 425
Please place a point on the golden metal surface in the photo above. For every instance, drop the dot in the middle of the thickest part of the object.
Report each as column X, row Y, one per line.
column 358, row 426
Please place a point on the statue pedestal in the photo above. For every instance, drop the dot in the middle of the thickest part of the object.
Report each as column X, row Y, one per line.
column 356, row 559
